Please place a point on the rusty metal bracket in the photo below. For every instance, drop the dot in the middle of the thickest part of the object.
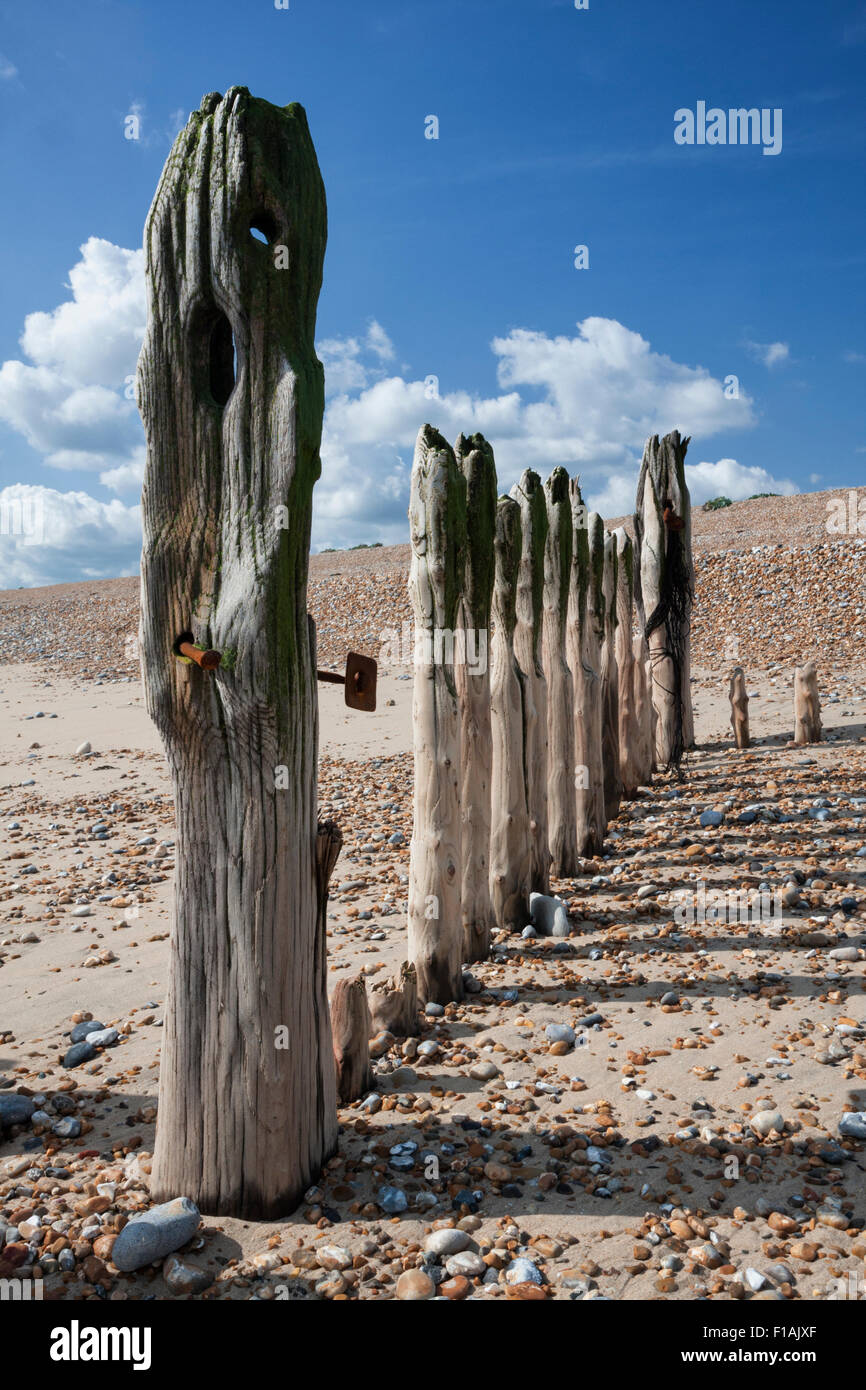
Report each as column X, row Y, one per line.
column 207, row 659
column 359, row 680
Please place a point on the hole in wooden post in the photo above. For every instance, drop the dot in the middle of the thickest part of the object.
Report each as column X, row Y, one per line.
column 222, row 360
column 263, row 227
column 213, row 354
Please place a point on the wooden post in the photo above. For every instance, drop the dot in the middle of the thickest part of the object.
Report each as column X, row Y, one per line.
column 629, row 727
column 510, row 846
column 231, row 395
column 739, row 699
column 807, row 706
column 610, row 685
column 529, row 495
column 593, row 711
column 475, row 459
column 587, row 693
column 350, row 1025
column 644, row 712
column 394, row 1004
column 561, row 802
column 437, row 523
column 664, row 589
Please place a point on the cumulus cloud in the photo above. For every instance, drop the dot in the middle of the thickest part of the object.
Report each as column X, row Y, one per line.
column 770, row 354
column 72, row 400
column 586, row 400
column 48, row 536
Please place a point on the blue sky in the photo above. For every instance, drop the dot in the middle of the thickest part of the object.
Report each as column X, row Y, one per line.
column 453, row 257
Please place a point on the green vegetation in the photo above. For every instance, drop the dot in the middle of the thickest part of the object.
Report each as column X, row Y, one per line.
column 717, row 503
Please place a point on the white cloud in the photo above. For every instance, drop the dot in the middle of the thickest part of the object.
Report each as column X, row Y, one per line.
column 770, row 354
column 586, row 401
column 48, row 536
column 71, row 403
column 727, row 478
column 8, row 69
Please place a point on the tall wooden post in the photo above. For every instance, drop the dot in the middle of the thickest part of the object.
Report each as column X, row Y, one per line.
column 610, row 685
column 664, row 589
column 629, row 729
column 529, row 495
column 510, row 844
column 475, row 459
column 437, row 524
column 561, row 803
column 231, row 395
column 585, row 678
column 592, row 639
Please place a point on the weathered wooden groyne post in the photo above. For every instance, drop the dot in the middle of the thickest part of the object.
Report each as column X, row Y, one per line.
column 629, row 727
column 585, row 679
column 561, row 802
column 510, row 841
column 529, row 496
column 610, row 750
column 437, row 523
column 231, row 396
column 664, row 589
column 807, row 705
column 475, row 459
column 592, row 640
column 739, row 698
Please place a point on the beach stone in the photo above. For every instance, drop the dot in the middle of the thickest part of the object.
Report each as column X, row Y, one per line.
column 851, row 1126
column 78, row 1053
column 83, row 748
column 523, row 1271
column 484, row 1071
column 155, row 1233
column 393, row 1200
column 465, row 1262
column 446, row 1241
column 334, row 1257
column 414, row 1286
column 765, row 1121
column 183, row 1278
column 81, row 1030
column 547, row 914
column 103, row 1037
column 15, row 1110
column 559, row 1032
column 712, row 819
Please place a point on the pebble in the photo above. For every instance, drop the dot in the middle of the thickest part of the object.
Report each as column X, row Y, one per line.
column 156, row 1233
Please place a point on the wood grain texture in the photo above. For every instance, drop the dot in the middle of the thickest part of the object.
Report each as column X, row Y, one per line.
column 437, row 524
column 475, row 460
column 510, row 844
column 529, row 496
column 662, row 476
column 350, row 1026
column 244, row 1125
column 610, row 747
column 561, row 802
column 585, row 679
column 630, row 757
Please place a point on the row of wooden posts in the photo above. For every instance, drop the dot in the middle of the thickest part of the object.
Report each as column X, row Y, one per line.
column 520, row 763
